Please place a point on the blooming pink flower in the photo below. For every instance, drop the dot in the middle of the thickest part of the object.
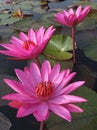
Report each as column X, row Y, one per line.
column 45, row 90
column 8, row 2
column 72, row 18
column 28, row 46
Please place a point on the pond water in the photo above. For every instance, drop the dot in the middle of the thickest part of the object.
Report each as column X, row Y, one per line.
column 40, row 13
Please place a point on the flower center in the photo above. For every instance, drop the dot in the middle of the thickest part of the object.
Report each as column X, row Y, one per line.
column 28, row 43
column 73, row 18
column 44, row 89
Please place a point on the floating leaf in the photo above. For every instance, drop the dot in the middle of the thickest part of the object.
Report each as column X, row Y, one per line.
column 85, row 38
column 80, row 121
column 7, row 19
column 24, row 24
column 86, row 73
column 5, row 124
column 90, row 51
column 49, row 18
column 27, row 4
column 23, row 5
column 44, row 2
column 28, row 22
column 64, row 64
column 58, row 47
column 39, row 10
column 89, row 23
column 93, row 3
column 5, row 34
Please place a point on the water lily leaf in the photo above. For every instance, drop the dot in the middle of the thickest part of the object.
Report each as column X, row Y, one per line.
column 4, row 88
column 5, row 124
column 23, row 5
column 6, row 5
column 36, row 24
column 39, row 10
column 62, row 42
column 32, row 2
column 7, row 19
column 44, row 2
column 80, row 121
column 27, row 23
column 90, row 51
column 12, row 20
column 60, row 4
column 58, row 46
column 93, row 4
column 64, row 64
column 4, row 16
column 89, row 23
column 5, row 33
column 86, row 37
column 86, row 73
column 2, row 2
column 54, row 54
column 49, row 18
column 23, row 25
column 28, row 4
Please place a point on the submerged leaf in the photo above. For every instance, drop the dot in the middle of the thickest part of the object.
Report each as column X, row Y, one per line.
column 89, row 23
column 5, row 124
column 90, row 51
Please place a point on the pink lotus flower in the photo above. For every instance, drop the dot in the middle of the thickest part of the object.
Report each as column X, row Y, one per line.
column 45, row 90
column 8, row 2
column 72, row 18
column 28, row 46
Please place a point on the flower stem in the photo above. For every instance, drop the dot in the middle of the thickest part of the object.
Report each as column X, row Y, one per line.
column 73, row 45
column 38, row 62
column 41, row 125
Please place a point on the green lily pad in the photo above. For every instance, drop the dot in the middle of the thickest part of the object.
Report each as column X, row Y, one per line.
column 23, row 5
column 93, row 4
column 64, row 64
column 58, row 46
column 27, row 23
column 49, row 18
column 28, row 4
column 80, row 121
column 39, row 10
column 7, row 19
column 90, row 51
column 86, row 73
column 90, row 22
column 23, row 25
